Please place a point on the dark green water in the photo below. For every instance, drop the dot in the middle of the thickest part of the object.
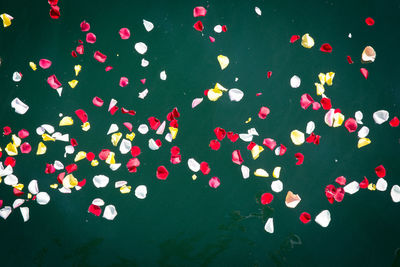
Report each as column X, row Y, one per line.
column 184, row 222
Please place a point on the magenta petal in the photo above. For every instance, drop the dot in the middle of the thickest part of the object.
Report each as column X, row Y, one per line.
column 199, row 11
column 44, row 63
column 123, row 81
column 90, row 38
column 214, row 182
column 85, row 26
column 236, row 157
column 97, row 101
column 306, row 100
column 100, row 57
column 53, row 82
column 124, row 33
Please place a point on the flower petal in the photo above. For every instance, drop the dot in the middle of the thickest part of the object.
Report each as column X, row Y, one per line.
column 124, row 33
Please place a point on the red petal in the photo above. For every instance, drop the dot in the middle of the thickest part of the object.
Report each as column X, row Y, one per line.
column 82, row 183
column 370, row 21
column 81, row 115
column 176, row 113
column 251, row 145
column 49, row 169
column 174, row 123
column 311, row 138
column 1, row 203
column 198, row 26
column 54, row 12
column 154, row 123
column 339, row 194
column 199, row 11
column 394, row 122
column 73, row 54
column 269, row 73
column 60, row 177
column 219, row 133
column 205, row 169
column 162, row 173
column 135, row 151
column 80, row 49
column 300, row 158
column 97, row 101
column 316, row 140
column 341, row 180
column 23, row 133
column 236, row 157
column 53, row 82
column 123, row 81
column 52, row 2
column 282, row 150
column 44, row 63
column 158, row 142
column 364, row 72
column 326, row 103
column 10, row 161
column 124, row 33
column 113, row 110
column 224, row 29
column 25, row 148
column 294, row 38
column 263, row 113
column 266, row 198
column 330, row 191
column 6, row 130
column 349, row 60
column 103, row 155
column 270, row 143
column 214, row 182
column 170, row 116
column 176, row 159
column 327, row 48
column 214, row 144
column 96, row 210
column 232, row 136
column 73, row 142
column 71, row 168
column 100, row 57
column 133, row 164
column 90, row 38
column 364, row 183
column 90, row 156
column 305, row 101
column 206, row 92
column 175, row 150
column 351, row 125
column 380, row 171
column 17, row 192
column 85, row 26
column 305, row 217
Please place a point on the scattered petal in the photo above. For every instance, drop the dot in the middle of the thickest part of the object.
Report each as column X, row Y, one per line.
column 100, row 181
column 148, row 25
column 141, row 48
column 307, row 41
column 300, row 158
column 214, row 182
column 269, row 226
column 110, row 212
column 162, row 173
column 199, row 11
column 223, row 61
column 124, row 33
column 44, row 63
column 266, row 198
column 323, row 218
column 380, row 116
column 305, row 217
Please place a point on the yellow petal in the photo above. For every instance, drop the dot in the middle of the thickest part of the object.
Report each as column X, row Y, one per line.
column 276, row 172
column 125, row 189
column 80, row 155
column 32, row 65
column 248, row 120
column 363, row 142
column 11, row 149
column 85, row 126
column 220, row 87
column 261, row 173
column 70, row 181
column 115, row 138
column 110, row 159
column 223, row 61
column 6, row 20
column 73, row 83
column 94, row 162
column 338, row 119
column 320, row 88
column 256, row 150
column 307, row 41
column 77, row 69
column 41, row 149
column 16, row 140
column 1, row 180
column 66, row 121
column 19, row 186
column 297, row 137
column 173, row 131
column 54, row 186
column 372, row 187
column 29, row 195
column 47, row 137
column 329, row 78
column 130, row 136
column 194, row 177
column 321, row 78
column 214, row 94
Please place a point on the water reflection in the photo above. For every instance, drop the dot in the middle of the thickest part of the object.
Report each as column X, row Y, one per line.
column 279, row 257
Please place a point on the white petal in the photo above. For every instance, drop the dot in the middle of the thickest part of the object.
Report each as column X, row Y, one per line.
column 11, row 180
column 49, row 128
column 218, row 29
column 40, row 130
column 69, row 149
column 310, row 127
column 59, row 90
column 143, row 94
column 113, row 102
column 42, row 198
column 359, row 116
column 277, row 186
column 18, row 202
column 295, row 81
column 115, row 166
column 261, row 173
column 125, row 146
column 168, row 137
column 163, row 75
column 33, row 187
column 141, row 192
column 352, row 188
column 246, row 137
column 269, row 225
column 153, row 145
column 245, row 171
column 5, row 212
column 235, row 94
column 380, row 116
column 194, row 166
column 17, row 76
column 144, row 63
column 25, row 213
column 100, row 180
column 19, row 106
column 143, row 129
column 109, row 212
column 395, row 193
column 113, row 128
column 141, row 48
column 196, row 101
column 252, row 131
column 65, row 190
column 148, row 25
column 381, row 184
column 5, row 171
column 98, row 202
column 324, row 218
column 160, row 129
column 363, row 132
column 119, row 184
column 329, row 117
column 258, row 10
column 61, row 137
column 58, row 165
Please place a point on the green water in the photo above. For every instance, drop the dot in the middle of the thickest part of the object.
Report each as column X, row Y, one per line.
column 184, row 222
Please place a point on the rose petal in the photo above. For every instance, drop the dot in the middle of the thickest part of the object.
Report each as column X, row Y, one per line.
column 369, row 21
column 214, row 144
column 349, row 60
column 364, row 183
column 110, row 212
column 124, row 33
column 295, row 81
column 297, row 137
column 148, row 25
column 352, row 187
column 44, row 63
column 263, row 113
column 214, row 182
column 81, row 115
column 305, row 217
column 327, row 48
column 100, row 181
column 266, row 198
column 96, row 210
column 235, row 94
column 19, row 106
column 154, row 123
column 394, row 193
column 305, row 101
column 292, row 200
column 381, row 184
column 223, row 61
column 269, row 226
column 54, row 12
column 141, row 192
column 341, row 180
column 236, row 157
column 205, row 169
column 97, row 101
column 380, row 171
column 141, row 48
column 42, row 198
column 123, row 81
column 143, row 129
column 162, row 173
column 100, row 57
column 380, row 116
column 364, row 72
column 300, row 158
column 394, row 122
column 199, row 11
column 294, row 38
column 90, row 38
column 53, row 82
column 351, row 125
column 326, row 103
column 198, row 26
column 85, row 26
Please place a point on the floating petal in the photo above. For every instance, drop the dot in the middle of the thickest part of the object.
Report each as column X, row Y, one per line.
column 323, row 218
column 292, row 200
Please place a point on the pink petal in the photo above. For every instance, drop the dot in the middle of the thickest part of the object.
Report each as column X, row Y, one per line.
column 199, row 11
column 305, row 101
column 81, row 115
column 49, row 169
column 162, row 173
column 23, row 134
column 212, row 39
column 351, row 125
column 264, row 111
column 133, row 164
column 282, row 150
column 90, row 38
column 128, row 125
column 85, row 26
column 341, row 180
column 103, row 155
column 143, row 81
column 364, row 72
column 97, row 101
column 316, row 106
column 270, row 143
column 44, row 63
column 80, row 49
column 339, row 194
column 53, row 82
column 108, row 68
column 124, row 33
column 100, row 57
column 236, row 157
column 123, row 81
column 214, row 182
column 198, row 26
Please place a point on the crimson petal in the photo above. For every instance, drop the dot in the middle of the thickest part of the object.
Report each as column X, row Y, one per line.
column 219, row 133
column 162, row 173
column 327, row 48
column 380, row 171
